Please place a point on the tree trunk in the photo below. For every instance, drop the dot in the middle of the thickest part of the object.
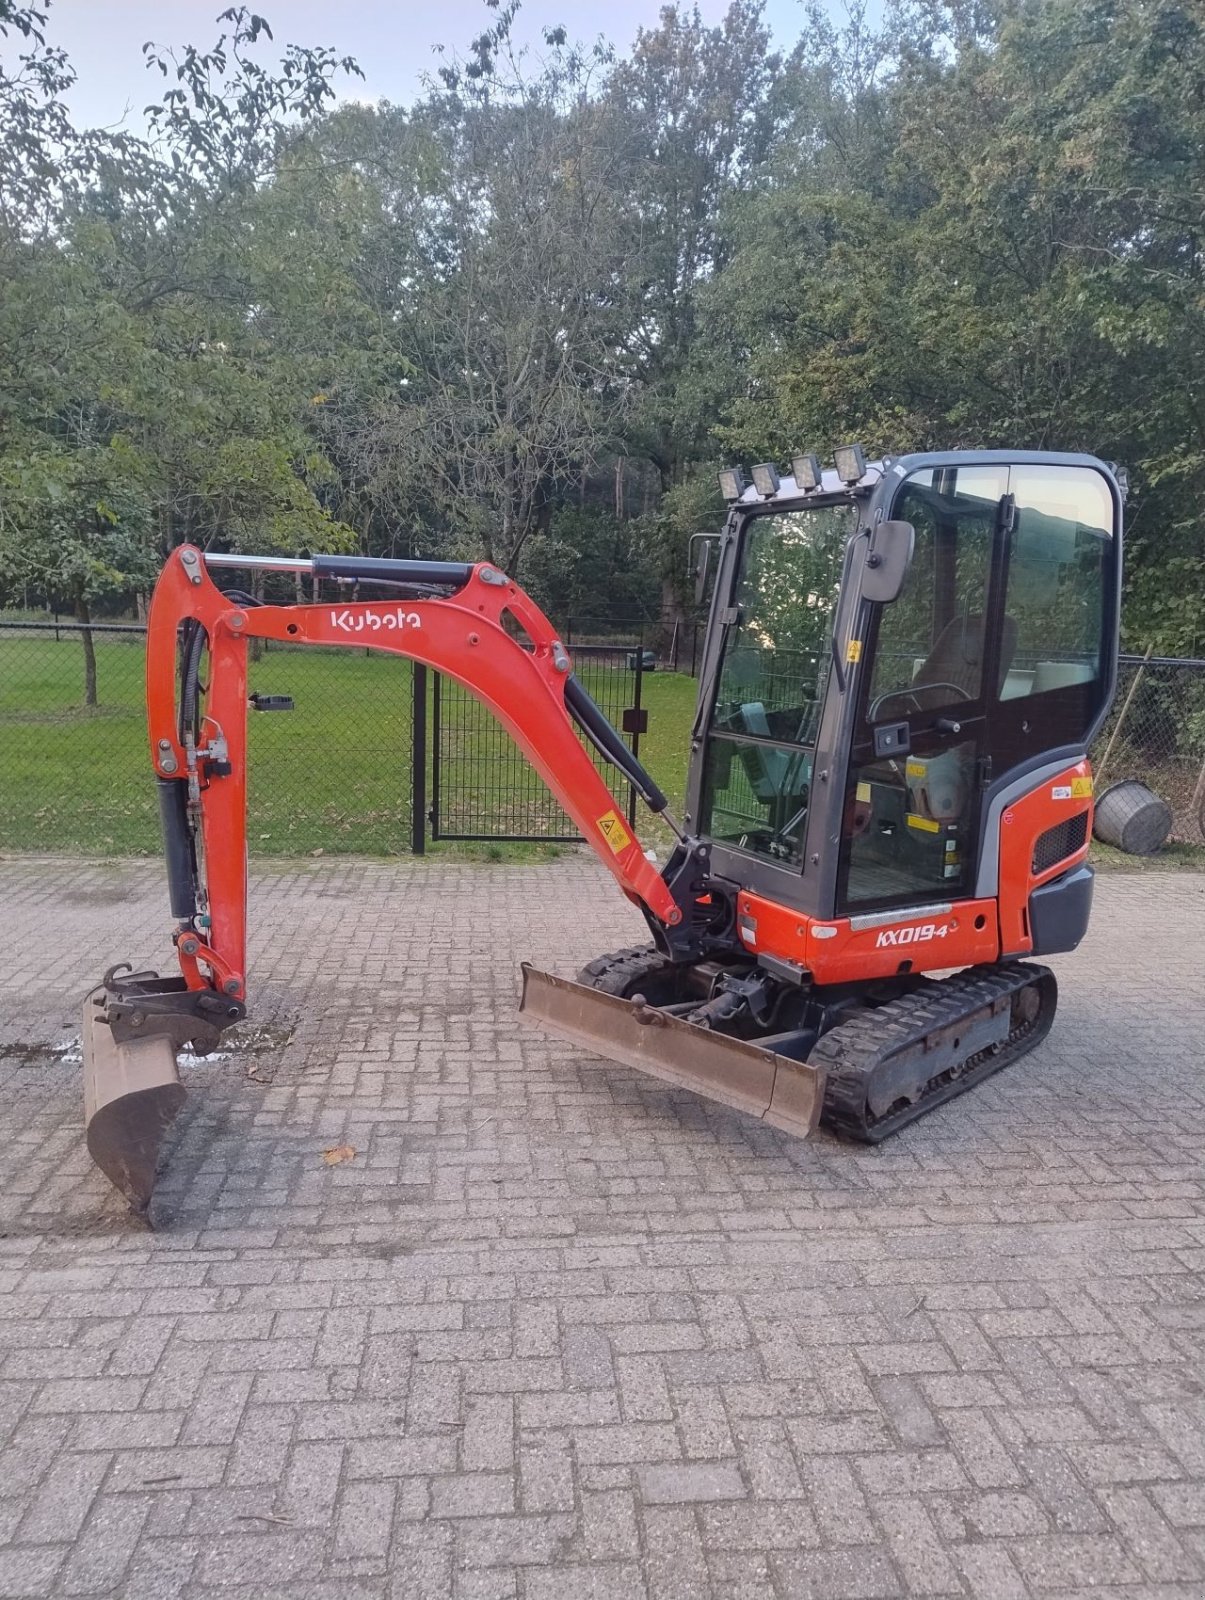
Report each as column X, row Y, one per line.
column 672, row 614
column 84, row 615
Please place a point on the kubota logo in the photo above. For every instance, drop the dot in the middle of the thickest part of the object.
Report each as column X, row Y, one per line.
column 918, row 934
column 364, row 621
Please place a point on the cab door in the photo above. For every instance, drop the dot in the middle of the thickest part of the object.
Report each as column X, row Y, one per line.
column 930, row 665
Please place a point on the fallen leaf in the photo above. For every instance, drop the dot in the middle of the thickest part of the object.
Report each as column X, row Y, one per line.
column 338, row 1153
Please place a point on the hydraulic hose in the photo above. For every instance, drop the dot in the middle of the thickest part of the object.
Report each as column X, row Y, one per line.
column 593, row 722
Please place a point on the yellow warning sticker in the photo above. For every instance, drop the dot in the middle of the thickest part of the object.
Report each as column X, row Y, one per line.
column 917, row 769
column 925, row 824
column 863, row 794
column 853, row 652
column 1081, row 788
column 614, row 831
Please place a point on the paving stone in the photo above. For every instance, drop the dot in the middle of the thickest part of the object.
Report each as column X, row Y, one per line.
column 674, row 1485
column 562, row 1332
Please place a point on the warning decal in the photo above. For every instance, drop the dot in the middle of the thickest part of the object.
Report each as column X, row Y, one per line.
column 614, row 831
column 924, row 824
column 1081, row 788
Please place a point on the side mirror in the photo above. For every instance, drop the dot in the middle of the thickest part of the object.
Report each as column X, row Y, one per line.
column 700, row 563
column 887, row 561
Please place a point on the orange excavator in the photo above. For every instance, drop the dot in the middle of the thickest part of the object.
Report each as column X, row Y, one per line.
column 905, row 664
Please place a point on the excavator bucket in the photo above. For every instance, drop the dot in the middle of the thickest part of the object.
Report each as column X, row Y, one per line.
column 748, row 1077
column 132, row 1093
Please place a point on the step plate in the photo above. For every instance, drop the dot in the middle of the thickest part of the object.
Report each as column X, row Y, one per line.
column 786, row 1094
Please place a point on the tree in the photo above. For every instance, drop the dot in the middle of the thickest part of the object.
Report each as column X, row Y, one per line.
column 76, row 523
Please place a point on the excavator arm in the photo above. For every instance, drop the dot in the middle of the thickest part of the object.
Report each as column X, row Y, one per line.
column 523, row 674
column 468, row 621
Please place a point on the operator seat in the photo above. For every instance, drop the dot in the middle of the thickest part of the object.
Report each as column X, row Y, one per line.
column 957, row 655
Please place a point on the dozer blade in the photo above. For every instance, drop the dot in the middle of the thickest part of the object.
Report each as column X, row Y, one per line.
column 132, row 1093
column 786, row 1094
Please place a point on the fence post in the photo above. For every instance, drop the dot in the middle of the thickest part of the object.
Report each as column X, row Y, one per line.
column 634, row 741
column 418, row 759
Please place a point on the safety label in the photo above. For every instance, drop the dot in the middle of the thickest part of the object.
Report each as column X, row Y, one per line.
column 923, row 824
column 1077, row 789
column 614, row 832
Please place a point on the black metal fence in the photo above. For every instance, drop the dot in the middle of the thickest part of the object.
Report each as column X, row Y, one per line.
column 676, row 643
column 351, row 768
column 481, row 785
column 332, row 774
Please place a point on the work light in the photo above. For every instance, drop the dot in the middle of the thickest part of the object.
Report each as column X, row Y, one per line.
column 765, row 478
column 851, row 463
column 732, row 483
column 807, row 471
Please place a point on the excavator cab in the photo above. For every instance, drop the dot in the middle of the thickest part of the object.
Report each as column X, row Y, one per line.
column 854, row 755
column 905, row 665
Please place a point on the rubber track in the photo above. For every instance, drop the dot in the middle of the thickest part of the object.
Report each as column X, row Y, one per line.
column 617, row 972
column 853, row 1051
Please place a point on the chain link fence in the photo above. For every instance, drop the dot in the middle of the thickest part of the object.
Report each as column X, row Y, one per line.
column 1155, row 736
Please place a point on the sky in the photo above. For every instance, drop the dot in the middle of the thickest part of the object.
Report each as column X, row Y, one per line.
column 393, row 40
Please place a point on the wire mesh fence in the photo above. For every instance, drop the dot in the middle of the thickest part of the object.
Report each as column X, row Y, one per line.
column 1154, row 740
column 332, row 775
column 481, row 784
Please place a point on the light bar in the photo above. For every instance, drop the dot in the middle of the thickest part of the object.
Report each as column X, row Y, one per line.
column 765, row 478
column 732, row 483
column 807, row 471
column 851, row 463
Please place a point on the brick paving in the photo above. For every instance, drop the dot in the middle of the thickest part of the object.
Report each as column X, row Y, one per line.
column 561, row 1332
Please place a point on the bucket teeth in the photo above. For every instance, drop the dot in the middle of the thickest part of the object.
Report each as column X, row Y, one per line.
column 132, row 1094
column 786, row 1094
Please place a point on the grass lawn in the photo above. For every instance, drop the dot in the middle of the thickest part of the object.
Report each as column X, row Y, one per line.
column 334, row 774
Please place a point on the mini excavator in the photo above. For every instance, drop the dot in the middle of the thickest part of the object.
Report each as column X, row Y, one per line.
column 887, row 812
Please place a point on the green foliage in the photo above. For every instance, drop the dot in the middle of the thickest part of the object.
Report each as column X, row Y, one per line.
column 76, row 523
column 285, row 322
column 591, row 566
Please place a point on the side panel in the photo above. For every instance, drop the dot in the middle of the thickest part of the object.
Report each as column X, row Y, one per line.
column 878, row 945
column 1042, row 835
